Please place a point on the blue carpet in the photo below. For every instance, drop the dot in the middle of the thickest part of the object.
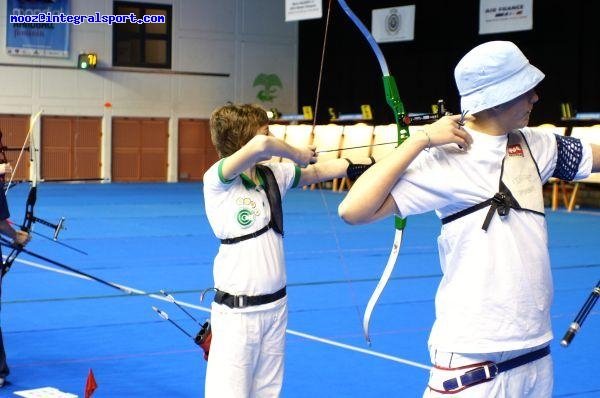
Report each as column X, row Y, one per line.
column 155, row 236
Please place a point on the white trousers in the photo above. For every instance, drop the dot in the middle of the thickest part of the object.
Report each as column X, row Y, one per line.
column 532, row 380
column 246, row 357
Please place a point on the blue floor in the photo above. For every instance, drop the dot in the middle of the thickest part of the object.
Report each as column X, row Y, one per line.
column 148, row 237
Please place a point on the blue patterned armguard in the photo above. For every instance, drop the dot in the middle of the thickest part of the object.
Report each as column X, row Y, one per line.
column 570, row 152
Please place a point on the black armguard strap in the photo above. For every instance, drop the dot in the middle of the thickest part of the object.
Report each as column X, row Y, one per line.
column 356, row 170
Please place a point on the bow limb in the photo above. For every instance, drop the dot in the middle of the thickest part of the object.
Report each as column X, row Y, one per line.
column 385, row 276
column 33, row 163
column 29, row 218
column 31, row 197
column 389, row 82
column 28, row 138
column 401, row 119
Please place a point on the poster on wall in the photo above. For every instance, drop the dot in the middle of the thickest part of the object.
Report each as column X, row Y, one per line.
column 30, row 30
column 297, row 10
column 393, row 24
column 496, row 16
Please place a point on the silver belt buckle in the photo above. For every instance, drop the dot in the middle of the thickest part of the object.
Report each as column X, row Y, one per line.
column 240, row 301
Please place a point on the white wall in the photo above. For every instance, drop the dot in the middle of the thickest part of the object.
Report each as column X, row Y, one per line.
column 241, row 38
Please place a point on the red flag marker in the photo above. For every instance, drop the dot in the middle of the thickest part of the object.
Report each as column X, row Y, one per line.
column 90, row 385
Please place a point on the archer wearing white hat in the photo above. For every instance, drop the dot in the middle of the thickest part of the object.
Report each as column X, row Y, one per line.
column 492, row 328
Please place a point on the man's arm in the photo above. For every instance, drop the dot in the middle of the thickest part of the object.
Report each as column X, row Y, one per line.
column 261, row 148
column 369, row 198
column 328, row 170
column 18, row 237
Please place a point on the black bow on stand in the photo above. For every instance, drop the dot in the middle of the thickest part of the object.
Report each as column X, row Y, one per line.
column 30, row 219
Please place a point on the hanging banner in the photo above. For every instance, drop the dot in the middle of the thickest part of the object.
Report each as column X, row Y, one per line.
column 393, row 24
column 28, row 33
column 496, row 16
column 296, row 10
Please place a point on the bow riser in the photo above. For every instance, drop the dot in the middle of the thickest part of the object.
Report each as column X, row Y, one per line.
column 393, row 100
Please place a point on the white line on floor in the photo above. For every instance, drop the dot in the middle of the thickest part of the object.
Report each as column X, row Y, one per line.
column 206, row 309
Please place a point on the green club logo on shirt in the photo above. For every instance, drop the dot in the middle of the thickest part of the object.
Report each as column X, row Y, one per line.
column 245, row 217
column 247, row 213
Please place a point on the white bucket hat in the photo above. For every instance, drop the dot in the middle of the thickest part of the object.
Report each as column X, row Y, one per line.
column 494, row 73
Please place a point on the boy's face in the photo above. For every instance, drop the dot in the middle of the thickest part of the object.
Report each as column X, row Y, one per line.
column 516, row 112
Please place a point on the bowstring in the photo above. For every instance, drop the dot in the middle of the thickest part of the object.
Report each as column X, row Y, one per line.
column 321, row 193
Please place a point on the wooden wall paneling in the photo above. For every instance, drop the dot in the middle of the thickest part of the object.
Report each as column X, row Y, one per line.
column 56, row 148
column 126, row 139
column 70, row 147
column 154, row 144
column 14, row 130
column 190, row 150
column 139, row 149
column 196, row 152
column 87, row 136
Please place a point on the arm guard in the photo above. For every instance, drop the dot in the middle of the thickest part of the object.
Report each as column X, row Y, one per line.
column 570, row 152
column 356, row 170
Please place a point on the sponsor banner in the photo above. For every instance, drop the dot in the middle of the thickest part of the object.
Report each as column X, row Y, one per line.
column 496, row 16
column 44, row 39
column 393, row 24
column 296, row 10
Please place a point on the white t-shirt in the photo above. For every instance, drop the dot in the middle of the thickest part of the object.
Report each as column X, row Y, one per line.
column 238, row 207
column 496, row 289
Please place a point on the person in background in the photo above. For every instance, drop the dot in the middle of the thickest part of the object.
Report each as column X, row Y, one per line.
column 243, row 205
column 20, row 238
column 492, row 329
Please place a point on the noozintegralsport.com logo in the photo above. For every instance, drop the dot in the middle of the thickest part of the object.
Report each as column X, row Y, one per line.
column 49, row 17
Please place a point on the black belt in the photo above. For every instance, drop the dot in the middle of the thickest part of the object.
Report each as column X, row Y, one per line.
column 489, row 370
column 254, row 234
column 243, row 301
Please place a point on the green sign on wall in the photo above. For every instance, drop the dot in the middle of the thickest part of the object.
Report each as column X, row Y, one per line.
column 270, row 83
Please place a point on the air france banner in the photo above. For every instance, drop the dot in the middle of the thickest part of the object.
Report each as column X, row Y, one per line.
column 37, row 39
column 393, row 24
column 496, row 16
column 296, row 10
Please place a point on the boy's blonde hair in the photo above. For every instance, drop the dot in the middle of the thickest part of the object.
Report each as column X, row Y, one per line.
column 232, row 126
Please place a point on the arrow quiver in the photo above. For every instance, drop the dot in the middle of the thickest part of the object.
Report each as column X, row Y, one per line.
column 204, row 337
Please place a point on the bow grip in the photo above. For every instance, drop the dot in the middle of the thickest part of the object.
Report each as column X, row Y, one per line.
column 393, row 99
